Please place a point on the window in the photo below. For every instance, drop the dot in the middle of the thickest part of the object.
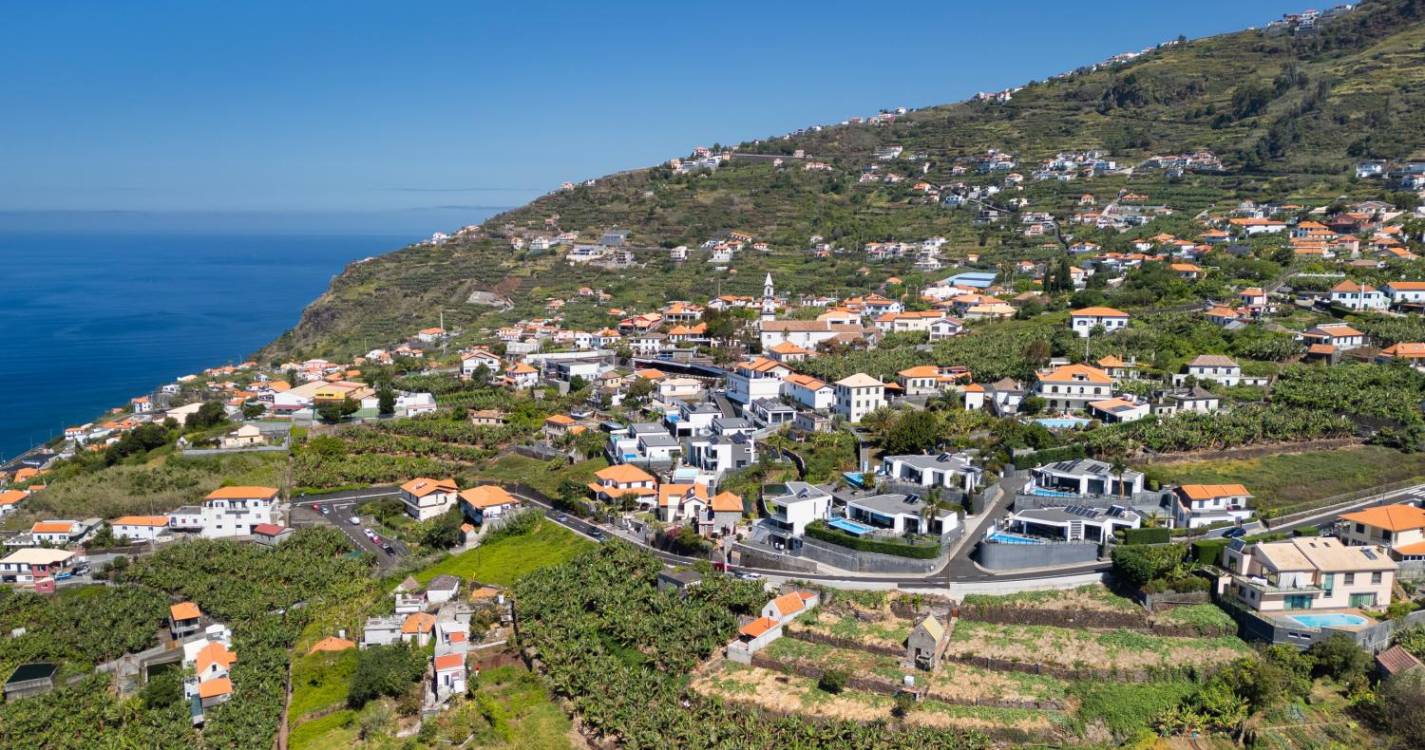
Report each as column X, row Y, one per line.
column 1376, row 577
column 1350, row 579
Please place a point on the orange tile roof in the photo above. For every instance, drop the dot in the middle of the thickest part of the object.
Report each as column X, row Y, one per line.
column 1321, row 349
column 805, row 381
column 215, row 688
column 52, row 527
column 559, row 419
column 726, row 502
column 418, row 622
column 623, row 474
column 789, row 604
column 757, row 627
column 1099, row 312
column 331, row 644
column 650, row 374
column 214, row 653
column 1075, row 374
column 449, row 661
column 422, row 486
column 1404, row 350
column 920, row 371
column 141, row 521
column 243, row 493
column 1398, row 517
column 667, row 493
column 1406, row 286
column 1210, row 491
column 10, row 497
column 488, row 496
column 185, row 611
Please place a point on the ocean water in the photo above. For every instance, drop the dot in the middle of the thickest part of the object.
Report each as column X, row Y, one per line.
column 90, row 319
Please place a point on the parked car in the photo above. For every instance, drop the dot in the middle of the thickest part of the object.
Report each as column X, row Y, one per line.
column 748, row 575
column 324, row 510
column 354, row 520
column 63, row 576
column 388, row 549
column 1234, row 532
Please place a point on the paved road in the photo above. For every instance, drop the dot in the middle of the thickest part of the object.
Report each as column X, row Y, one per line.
column 342, row 509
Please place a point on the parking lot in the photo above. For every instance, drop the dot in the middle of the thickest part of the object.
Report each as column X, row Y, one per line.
column 338, row 513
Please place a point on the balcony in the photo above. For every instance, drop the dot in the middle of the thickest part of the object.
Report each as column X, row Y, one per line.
column 1264, row 586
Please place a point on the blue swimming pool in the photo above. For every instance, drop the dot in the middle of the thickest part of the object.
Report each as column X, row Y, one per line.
column 1046, row 492
column 1005, row 537
column 1062, row 423
column 849, row 526
column 1332, row 620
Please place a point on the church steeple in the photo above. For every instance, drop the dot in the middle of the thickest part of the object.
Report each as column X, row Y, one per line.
column 769, row 298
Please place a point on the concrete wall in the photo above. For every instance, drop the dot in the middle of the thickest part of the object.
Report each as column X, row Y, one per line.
column 1012, row 556
column 752, row 557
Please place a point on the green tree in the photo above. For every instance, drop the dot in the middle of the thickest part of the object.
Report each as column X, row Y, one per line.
column 911, row 432
column 385, row 401
column 384, row 671
column 1339, row 658
column 443, row 531
column 210, row 414
column 335, row 411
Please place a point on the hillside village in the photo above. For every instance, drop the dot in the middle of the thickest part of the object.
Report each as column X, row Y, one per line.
column 1107, row 462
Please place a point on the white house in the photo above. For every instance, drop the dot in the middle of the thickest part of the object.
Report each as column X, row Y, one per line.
column 427, row 498
column 1074, row 387
column 1205, row 504
column 755, row 380
column 1083, row 322
column 945, row 328
column 472, row 361
column 808, row 391
column 1218, row 369
column 233, row 511
column 1355, row 296
column 949, row 470
column 1405, row 292
column 899, row 513
column 797, row 505
column 1118, row 410
column 29, row 565
column 858, row 395
column 139, row 528
column 1338, row 335
column 487, row 502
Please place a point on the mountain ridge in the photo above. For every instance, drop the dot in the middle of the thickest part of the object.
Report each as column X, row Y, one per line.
column 1288, row 112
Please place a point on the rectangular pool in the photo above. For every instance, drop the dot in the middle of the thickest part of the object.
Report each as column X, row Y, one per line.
column 1005, row 537
column 849, row 526
column 1332, row 620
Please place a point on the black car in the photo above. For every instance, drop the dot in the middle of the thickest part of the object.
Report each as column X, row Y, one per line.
column 1234, row 532
column 388, row 549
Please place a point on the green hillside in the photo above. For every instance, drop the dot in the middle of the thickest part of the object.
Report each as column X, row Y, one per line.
column 1289, row 113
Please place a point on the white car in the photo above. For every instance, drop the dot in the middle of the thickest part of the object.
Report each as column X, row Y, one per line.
column 355, row 520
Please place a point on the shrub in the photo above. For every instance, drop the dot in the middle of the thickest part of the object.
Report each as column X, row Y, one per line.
column 1147, row 536
column 924, row 551
column 1209, row 551
column 1140, row 564
column 832, row 681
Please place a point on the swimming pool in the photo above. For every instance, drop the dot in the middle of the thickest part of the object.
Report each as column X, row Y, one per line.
column 1333, row 620
column 849, row 526
column 1005, row 537
column 1062, row 423
column 1046, row 492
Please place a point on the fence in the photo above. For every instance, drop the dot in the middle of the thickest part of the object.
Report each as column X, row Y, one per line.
column 844, row 643
column 1080, row 618
column 1290, row 514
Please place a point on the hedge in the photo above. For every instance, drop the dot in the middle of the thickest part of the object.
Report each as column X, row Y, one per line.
column 1161, row 535
column 819, row 530
column 1209, row 551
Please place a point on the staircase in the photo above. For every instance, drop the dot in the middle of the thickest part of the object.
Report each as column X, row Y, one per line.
column 1076, row 531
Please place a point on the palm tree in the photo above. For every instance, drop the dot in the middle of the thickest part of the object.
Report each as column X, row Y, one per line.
column 1118, row 466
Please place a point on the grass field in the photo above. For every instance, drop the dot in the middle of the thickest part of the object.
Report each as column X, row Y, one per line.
column 1282, row 481
column 320, row 681
column 1083, row 649
column 506, row 560
column 511, row 709
column 1094, row 597
column 336, row 731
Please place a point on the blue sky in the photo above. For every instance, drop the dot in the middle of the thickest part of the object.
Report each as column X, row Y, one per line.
column 328, row 107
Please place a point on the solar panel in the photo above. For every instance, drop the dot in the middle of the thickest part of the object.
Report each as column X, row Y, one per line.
column 1369, row 553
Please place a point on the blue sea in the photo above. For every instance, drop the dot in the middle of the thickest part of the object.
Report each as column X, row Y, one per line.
column 90, row 319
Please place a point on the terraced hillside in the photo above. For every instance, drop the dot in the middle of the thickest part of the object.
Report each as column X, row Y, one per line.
column 1287, row 113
